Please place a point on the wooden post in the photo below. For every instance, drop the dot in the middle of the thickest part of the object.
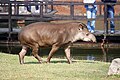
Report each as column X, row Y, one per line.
column 72, row 9
column 105, row 21
column 51, row 5
column 9, row 24
column 46, row 5
column 9, row 15
column 41, row 9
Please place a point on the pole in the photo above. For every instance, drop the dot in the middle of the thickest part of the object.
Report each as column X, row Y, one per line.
column 9, row 24
column 105, row 21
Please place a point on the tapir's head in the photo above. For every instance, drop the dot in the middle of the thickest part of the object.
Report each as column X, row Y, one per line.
column 84, row 34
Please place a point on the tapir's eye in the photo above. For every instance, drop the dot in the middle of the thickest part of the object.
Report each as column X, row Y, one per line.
column 80, row 29
column 87, row 34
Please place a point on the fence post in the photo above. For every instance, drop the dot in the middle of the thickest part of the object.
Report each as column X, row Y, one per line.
column 105, row 21
column 41, row 9
column 9, row 24
column 51, row 5
column 46, row 5
column 10, row 13
column 72, row 9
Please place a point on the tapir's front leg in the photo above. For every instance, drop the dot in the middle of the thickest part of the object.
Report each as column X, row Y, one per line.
column 22, row 54
column 53, row 50
column 67, row 52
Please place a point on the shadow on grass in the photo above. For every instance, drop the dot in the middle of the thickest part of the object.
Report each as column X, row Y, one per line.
column 62, row 61
column 48, row 63
column 32, row 63
column 90, row 62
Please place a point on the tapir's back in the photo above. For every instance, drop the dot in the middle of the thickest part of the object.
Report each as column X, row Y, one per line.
column 47, row 33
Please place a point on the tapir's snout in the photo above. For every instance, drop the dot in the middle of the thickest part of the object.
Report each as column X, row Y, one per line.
column 90, row 37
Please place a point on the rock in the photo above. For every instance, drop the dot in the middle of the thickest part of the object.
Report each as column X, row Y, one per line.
column 114, row 68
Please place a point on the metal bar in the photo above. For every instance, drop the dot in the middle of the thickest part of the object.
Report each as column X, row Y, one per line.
column 105, row 21
column 46, row 6
column 9, row 15
column 51, row 5
column 10, row 27
column 72, row 9
column 41, row 9
column 15, row 8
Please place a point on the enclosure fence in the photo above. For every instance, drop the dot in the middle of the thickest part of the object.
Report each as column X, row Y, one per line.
column 7, row 11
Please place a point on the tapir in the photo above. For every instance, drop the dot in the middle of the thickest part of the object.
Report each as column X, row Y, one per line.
column 55, row 35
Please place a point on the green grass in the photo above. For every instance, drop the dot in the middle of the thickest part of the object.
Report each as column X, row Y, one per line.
column 58, row 69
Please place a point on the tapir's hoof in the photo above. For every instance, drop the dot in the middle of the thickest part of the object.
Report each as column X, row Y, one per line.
column 47, row 61
column 21, row 63
column 70, row 62
column 40, row 62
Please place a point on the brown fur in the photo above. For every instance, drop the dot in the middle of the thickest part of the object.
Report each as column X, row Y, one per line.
column 42, row 34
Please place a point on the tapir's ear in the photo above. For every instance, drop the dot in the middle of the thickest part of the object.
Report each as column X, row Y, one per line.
column 82, row 25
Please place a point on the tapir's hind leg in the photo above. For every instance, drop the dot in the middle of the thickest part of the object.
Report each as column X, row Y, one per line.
column 22, row 54
column 35, row 53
